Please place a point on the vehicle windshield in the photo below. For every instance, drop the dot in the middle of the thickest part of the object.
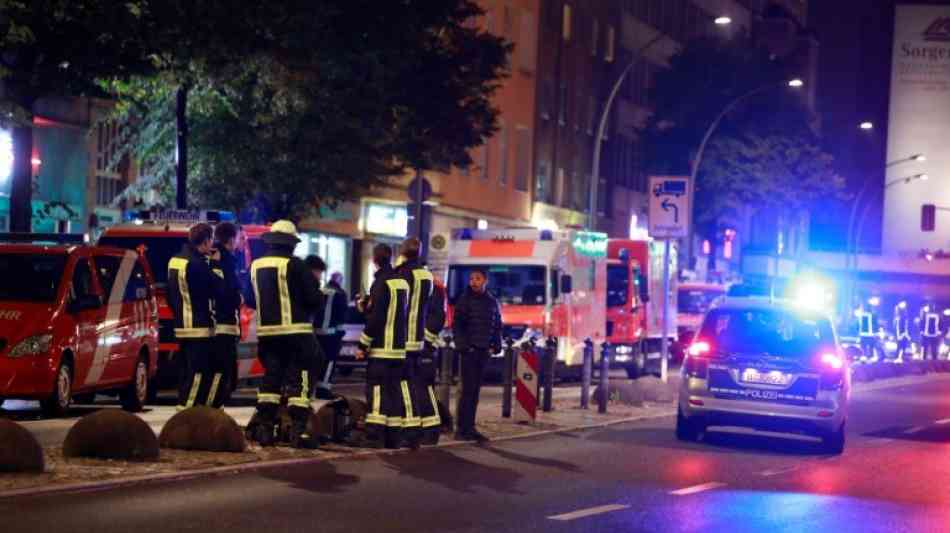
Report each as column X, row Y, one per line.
column 618, row 285
column 158, row 251
column 765, row 331
column 511, row 284
column 696, row 301
column 30, row 278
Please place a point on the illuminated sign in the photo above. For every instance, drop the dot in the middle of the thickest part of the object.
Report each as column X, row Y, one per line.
column 6, row 154
column 387, row 219
column 591, row 244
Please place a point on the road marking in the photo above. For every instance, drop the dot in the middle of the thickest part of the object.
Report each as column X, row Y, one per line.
column 777, row 471
column 697, row 488
column 588, row 512
column 915, row 429
column 942, row 421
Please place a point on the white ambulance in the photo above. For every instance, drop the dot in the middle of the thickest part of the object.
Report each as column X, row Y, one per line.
column 548, row 283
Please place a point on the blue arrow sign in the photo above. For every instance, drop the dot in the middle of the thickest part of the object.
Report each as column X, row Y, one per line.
column 667, row 205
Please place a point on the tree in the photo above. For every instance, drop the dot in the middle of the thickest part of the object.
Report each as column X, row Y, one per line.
column 55, row 48
column 765, row 156
column 333, row 103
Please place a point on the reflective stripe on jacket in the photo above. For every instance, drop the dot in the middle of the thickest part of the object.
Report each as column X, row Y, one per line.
column 284, row 294
column 191, row 289
column 384, row 336
column 420, row 293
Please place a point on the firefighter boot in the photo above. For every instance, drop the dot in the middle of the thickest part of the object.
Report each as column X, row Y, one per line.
column 263, row 431
column 301, row 435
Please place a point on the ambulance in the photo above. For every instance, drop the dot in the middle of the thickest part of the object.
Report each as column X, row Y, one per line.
column 75, row 321
column 159, row 235
column 635, row 303
column 549, row 284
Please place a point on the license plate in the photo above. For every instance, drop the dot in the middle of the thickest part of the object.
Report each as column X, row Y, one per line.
column 774, row 377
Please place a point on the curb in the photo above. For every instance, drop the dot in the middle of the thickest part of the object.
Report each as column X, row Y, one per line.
column 97, row 486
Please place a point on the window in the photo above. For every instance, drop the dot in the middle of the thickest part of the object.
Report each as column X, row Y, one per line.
column 611, row 43
column 594, row 36
column 137, row 288
column 109, row 182
column 542, row 183
column 511, row 284
column 778, row 333
column 82, row 280
column 560, row 187
column 30, row 277
column 566, row 23
column 547, row 98
column 107, row 189
column 618, row 285
column 502, row 153
column 107, row 266
column 523, row 155
column 527, row 45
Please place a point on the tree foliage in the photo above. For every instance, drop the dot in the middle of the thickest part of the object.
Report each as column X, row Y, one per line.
column 329, row 102
column 764, row 156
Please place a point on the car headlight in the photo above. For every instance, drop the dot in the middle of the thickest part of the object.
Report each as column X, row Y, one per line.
column 37, row 344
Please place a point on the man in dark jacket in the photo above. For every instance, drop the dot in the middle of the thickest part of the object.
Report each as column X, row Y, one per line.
column 476, row 327
column 191, row 291
column 285, row 297
column 227, row 306
column 384, row 342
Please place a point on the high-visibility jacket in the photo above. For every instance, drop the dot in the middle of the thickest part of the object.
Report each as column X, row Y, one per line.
column 386, row 331
column 191, row 291
column 420, row 292
column 284, row 294
column 227, row 303
column 329, row 317
column 902, row 327
column 931, row 325
column 865, row 324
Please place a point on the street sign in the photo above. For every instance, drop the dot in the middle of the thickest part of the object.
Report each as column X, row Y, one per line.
column 526, row 386
column 669, row 207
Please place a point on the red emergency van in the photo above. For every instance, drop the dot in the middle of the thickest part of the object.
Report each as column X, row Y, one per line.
column 75, row 320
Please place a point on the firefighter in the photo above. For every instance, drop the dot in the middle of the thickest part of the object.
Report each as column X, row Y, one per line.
column 869, row 341
column 227, row 305
column 930, row 332
column 191, row 291
column 383, row 342
column 285, row 297
column 435, row 321
column 421, row 286
column 901, row 330
column 328, row 325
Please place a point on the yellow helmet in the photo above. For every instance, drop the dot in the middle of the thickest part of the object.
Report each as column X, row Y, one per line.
column 282, row 232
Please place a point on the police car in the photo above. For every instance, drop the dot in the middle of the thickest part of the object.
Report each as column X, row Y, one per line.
column 74, row 320
column 159, row 235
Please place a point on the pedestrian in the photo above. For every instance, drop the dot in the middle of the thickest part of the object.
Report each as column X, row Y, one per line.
column 285, row 297
column 421, row 286
column 328, row 325
column 477, row 330
column 191, row 292
column 901, row 330
column 383, row 343
column 930, row 336
column 227, row 320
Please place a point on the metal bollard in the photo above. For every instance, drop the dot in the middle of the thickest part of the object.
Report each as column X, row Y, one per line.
column 550, row 361
column 508, row 376
column 586, row 375
column 604, row 377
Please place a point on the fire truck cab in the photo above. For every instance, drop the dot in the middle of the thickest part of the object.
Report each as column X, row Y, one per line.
column 549, row 284
column 635, row 303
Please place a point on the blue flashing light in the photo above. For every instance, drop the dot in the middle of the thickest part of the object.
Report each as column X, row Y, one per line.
column 462, row 234
column 547, row 235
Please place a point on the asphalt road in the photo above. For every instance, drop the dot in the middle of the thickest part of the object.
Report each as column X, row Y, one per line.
column 636, row 477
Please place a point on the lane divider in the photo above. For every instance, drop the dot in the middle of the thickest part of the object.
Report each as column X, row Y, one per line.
column 592, row 511
column 698, row 488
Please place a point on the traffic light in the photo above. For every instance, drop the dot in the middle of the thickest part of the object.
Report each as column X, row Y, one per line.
column 928, row 217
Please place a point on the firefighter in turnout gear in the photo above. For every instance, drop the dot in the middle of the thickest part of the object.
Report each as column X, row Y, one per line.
column 930, row 335
column 285, row 297
column 328, row 325
column 421, row 287
column 870, row 346
column 192, row 289
column 902, row 330
column 383, row 342
column 227, row 305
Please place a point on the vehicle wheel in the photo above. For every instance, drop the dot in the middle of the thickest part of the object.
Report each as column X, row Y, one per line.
column 686, row 429
column 134, row 396
column 57, row 404
column 834, row 443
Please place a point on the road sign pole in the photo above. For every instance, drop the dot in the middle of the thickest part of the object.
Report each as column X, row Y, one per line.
column 665, row 347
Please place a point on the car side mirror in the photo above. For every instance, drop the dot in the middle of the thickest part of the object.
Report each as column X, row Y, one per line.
column 567, row 284
column 83, row 303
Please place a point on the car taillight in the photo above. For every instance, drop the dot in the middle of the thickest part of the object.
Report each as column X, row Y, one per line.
column 696, row 365
column 832, row 374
